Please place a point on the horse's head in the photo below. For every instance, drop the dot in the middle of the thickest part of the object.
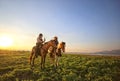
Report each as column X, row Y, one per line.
column 62, row 46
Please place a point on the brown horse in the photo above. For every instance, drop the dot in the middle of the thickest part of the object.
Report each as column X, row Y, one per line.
column 43, row 52
column 56, row 56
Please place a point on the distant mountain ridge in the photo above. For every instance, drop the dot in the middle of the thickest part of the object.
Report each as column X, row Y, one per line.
column 109, row 52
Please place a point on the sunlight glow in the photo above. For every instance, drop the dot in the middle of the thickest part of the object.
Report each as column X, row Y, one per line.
column 5, row 41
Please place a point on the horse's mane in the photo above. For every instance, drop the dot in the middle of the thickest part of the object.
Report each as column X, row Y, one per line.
column 60, row 44
column 48, row 41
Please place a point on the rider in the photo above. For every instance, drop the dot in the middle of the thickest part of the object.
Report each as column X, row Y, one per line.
column 56, row 41
column 55, row 38
column 39, row 43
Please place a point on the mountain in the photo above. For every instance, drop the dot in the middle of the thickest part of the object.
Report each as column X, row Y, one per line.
column 112, row 52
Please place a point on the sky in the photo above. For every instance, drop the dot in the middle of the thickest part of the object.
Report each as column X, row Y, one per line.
column 85, row 25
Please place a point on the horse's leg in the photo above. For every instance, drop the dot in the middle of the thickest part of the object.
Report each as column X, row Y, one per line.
column 33, row 59
column 31, row 56
column 30, row 59
column 41, row 62
column 44, row 60
column 41, row 59
column 57, row 61
column 53, row 60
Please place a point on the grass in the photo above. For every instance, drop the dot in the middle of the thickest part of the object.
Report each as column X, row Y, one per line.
column 14, row 66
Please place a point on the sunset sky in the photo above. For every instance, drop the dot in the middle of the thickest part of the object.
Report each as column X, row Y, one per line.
column 85, row 25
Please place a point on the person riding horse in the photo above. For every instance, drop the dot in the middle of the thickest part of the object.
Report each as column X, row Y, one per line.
column 39, row 43
column 44, row 49
column 50, row 50
column 56, row 40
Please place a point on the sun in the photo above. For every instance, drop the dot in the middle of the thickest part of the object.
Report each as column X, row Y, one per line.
column 5, row 41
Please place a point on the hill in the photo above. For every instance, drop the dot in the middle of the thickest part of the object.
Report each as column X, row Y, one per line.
column 112, row 52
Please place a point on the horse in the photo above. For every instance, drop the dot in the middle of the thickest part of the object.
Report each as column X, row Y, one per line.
column 43, row 52
column 60, row 49
column 55, row 56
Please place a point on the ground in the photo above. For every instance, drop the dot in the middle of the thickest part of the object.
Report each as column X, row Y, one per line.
column 14, row 66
